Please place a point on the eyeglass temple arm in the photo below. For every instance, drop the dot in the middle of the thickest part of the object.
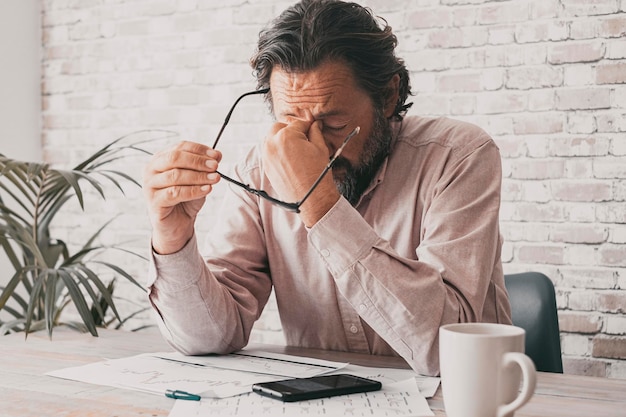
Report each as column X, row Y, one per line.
column 288, row 206
column 230, row 112
column 329, row 166
column 295, row 207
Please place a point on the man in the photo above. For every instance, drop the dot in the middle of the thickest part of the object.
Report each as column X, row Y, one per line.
column 401, row 236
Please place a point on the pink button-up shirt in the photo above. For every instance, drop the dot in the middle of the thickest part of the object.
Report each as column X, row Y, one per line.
column 421, row 249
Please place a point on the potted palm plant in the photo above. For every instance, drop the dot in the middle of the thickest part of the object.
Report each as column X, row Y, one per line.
column 47, row 277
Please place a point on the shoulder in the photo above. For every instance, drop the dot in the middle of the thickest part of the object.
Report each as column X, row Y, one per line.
column 458, row 136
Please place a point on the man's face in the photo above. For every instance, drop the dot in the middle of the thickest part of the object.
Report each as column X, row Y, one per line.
column 330, row 94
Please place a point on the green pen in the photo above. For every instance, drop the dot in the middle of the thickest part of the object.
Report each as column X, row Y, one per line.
column 181, row 395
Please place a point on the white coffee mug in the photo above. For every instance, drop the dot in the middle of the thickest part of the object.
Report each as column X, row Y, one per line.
column 480, row 367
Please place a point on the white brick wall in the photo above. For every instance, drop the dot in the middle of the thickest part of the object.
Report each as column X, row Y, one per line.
column 546, row 78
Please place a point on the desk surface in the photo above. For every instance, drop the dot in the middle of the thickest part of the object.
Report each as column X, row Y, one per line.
column 25, row 391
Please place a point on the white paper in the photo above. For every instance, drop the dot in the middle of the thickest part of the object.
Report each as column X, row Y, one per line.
column 396, row 399
column 226, row 392
column 151, row 373
column 427, row 385
column 250, row 360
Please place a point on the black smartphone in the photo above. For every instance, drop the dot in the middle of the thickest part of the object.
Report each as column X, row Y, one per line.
column 299, row 389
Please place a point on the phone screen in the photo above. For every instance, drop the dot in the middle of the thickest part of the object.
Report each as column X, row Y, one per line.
column 299, row 389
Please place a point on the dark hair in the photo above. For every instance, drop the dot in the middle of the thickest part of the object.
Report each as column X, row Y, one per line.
column 313, row 31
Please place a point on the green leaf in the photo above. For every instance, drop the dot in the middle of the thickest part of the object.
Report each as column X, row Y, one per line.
column 13, row 218
column 105, row 291
column 21, row 200
column 46, row 213
column 23, row 238
column 72, row 180
column 79, row 302
column 77, row 326
column 54, row 189
column 9, row 290
column 132, row 315
column 95, row 298
column 8, row 250
column 94, row 183
column 123, row 273
column 10, row 326
column 50, row 299
column 52, row 251
column 93, row 237
column 19, row 300
column 65, row 301
column 14, row 312
column 33, row 301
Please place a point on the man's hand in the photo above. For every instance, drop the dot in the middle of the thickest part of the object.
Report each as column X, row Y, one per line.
column 294, row 155
column 175, row 183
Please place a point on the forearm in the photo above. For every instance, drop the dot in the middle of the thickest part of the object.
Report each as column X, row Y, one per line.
column 195, row 312
column 406, row 298
column 405, row 303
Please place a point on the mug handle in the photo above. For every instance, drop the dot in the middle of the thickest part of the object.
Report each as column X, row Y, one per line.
column 529, row 377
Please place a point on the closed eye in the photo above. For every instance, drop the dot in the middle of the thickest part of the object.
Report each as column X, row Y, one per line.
column 335, row 128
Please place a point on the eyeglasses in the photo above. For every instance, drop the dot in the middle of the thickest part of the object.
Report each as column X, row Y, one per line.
column 294, row 207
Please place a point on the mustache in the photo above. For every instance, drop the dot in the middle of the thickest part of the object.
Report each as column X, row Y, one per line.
column 342, row 170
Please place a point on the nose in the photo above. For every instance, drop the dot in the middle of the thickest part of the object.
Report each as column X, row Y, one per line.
column 330, row 145
column 332, row 148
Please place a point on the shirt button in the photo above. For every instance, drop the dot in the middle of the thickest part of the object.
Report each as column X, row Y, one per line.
column 354, row 329
column 362, row 307
column 325, row 253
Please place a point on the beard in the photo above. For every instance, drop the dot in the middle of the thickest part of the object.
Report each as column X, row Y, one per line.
column 354, row 179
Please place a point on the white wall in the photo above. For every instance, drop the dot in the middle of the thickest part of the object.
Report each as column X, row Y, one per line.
column 20, row 87
column 20, row 79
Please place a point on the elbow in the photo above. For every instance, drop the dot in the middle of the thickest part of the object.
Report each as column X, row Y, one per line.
column 196, row 346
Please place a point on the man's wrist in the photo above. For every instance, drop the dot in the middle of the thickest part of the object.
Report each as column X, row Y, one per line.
column 168, row 246
column 313, row 210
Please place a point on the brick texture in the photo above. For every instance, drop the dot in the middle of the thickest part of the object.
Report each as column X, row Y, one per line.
column 611, row 347
column 546, row 78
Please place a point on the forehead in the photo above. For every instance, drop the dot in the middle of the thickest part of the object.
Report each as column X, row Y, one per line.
column 330, row 87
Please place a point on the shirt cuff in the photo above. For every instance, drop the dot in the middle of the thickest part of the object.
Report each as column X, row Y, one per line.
column 178, row 270
column 342, row 237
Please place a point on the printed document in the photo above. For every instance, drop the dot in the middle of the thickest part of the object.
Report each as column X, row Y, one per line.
column 224, row 383
column 207, row 376
column 397, row 399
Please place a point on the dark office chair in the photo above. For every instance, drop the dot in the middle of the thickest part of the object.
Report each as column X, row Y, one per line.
column 533, row 308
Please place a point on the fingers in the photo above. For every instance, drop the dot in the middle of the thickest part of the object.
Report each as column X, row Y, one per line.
column 188, row 155
column 281, row 133
column 183, row 173
column 298, row 127
column 315, row 135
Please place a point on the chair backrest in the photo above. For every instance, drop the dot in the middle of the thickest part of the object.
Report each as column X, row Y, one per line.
column 533, row 308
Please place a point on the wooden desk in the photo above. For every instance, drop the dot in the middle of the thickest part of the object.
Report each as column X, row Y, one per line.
column 25, row 391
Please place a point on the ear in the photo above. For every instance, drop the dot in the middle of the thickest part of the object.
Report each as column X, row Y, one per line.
column 393, row 92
